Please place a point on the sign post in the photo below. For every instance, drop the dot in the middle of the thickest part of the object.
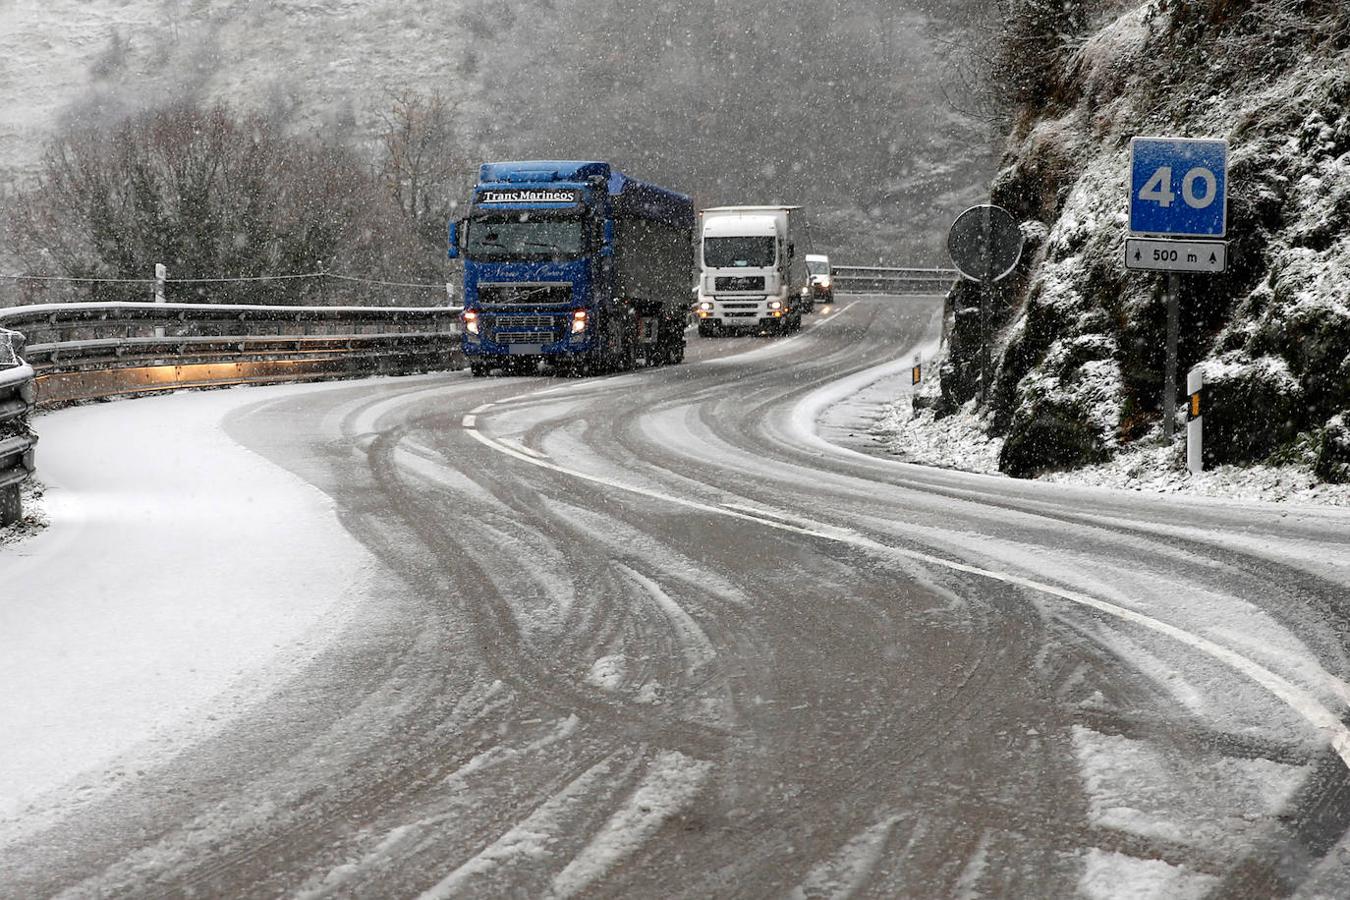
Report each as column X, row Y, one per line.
column 985, row 244
column 1178, row 193
column 1173, row 338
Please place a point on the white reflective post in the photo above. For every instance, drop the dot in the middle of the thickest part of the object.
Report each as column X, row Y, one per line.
column 916, row 375
column 161, row 274
column 1195, row 461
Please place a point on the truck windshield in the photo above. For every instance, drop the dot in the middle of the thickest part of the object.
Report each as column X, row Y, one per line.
column 738, row 252
column 816, row 267
column 523, row 237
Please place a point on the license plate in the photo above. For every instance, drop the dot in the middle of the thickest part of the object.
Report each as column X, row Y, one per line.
column 526, row 349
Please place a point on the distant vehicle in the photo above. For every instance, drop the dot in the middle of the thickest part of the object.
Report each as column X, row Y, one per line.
column 575, row 264
column 822, row 279
column 752, row 278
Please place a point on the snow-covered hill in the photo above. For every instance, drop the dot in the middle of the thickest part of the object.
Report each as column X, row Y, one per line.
column 308, row 62
column 839, row 106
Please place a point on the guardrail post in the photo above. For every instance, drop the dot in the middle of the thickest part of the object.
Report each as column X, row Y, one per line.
column 11, row 505
column 18, row 393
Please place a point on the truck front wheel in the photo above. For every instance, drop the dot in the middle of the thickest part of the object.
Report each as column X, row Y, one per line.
column 707, row 329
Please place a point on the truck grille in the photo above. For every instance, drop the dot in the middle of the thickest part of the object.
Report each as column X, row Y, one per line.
column 739, row 284
column 524, row 294
column 512, row 329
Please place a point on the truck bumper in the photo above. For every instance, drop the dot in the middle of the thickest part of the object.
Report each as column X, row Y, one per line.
column 737, row 314
column 516, row 333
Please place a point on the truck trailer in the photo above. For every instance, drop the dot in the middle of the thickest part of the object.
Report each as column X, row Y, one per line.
column 574, row 264
column 752, row 277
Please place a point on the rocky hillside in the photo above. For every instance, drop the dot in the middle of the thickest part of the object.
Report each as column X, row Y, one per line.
column 1080, row 344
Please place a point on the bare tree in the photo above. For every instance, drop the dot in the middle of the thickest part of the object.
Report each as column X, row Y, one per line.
column 422, row 165
column 211, row 195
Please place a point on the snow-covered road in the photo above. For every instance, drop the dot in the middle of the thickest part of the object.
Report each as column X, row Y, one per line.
column 659, row 634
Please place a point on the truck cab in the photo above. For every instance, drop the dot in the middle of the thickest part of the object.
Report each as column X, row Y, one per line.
column 574, row 264
column 752, row 278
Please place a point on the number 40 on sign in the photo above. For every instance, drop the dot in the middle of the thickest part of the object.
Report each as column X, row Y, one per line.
column 1179, row 187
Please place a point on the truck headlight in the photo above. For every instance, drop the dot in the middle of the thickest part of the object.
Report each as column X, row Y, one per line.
column 471, row 323
column 705, row 305
column 775, row 304
column 579, row 319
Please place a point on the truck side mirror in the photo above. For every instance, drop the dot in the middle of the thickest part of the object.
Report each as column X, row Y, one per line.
column 453, row 243
column 607, row 239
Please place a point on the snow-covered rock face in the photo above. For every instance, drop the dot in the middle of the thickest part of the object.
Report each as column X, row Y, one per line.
column 1081, row 346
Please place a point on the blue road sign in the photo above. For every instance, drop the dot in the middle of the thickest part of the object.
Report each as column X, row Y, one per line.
column 1179, row 187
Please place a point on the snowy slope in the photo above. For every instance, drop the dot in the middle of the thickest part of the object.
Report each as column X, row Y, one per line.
column 691, row 94
column 310, row 62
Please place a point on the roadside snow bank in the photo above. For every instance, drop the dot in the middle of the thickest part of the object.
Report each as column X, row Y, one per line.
column 176, row 566
column 960, row 441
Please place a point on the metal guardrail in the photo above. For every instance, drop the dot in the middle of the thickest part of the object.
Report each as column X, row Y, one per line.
column 881, row 280
column 84, row 351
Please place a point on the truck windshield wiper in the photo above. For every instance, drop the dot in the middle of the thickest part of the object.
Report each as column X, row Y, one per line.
column 554, row 247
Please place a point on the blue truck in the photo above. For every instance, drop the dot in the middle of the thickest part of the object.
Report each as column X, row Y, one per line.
column 573, row 264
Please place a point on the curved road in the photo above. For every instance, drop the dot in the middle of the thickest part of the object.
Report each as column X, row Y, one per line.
column 649, row 635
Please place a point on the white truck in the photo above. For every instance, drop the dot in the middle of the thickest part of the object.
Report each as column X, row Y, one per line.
column 752, row 278
column 822, row 279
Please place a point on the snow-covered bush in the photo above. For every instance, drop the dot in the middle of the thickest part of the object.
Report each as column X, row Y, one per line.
column 1333, row 452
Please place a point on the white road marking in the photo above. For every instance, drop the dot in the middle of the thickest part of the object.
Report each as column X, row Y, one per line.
column 478, row 410
column 529, row 451
column 777, row 346
column 470, row 421
column 1296, row 698
column 603, row 382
